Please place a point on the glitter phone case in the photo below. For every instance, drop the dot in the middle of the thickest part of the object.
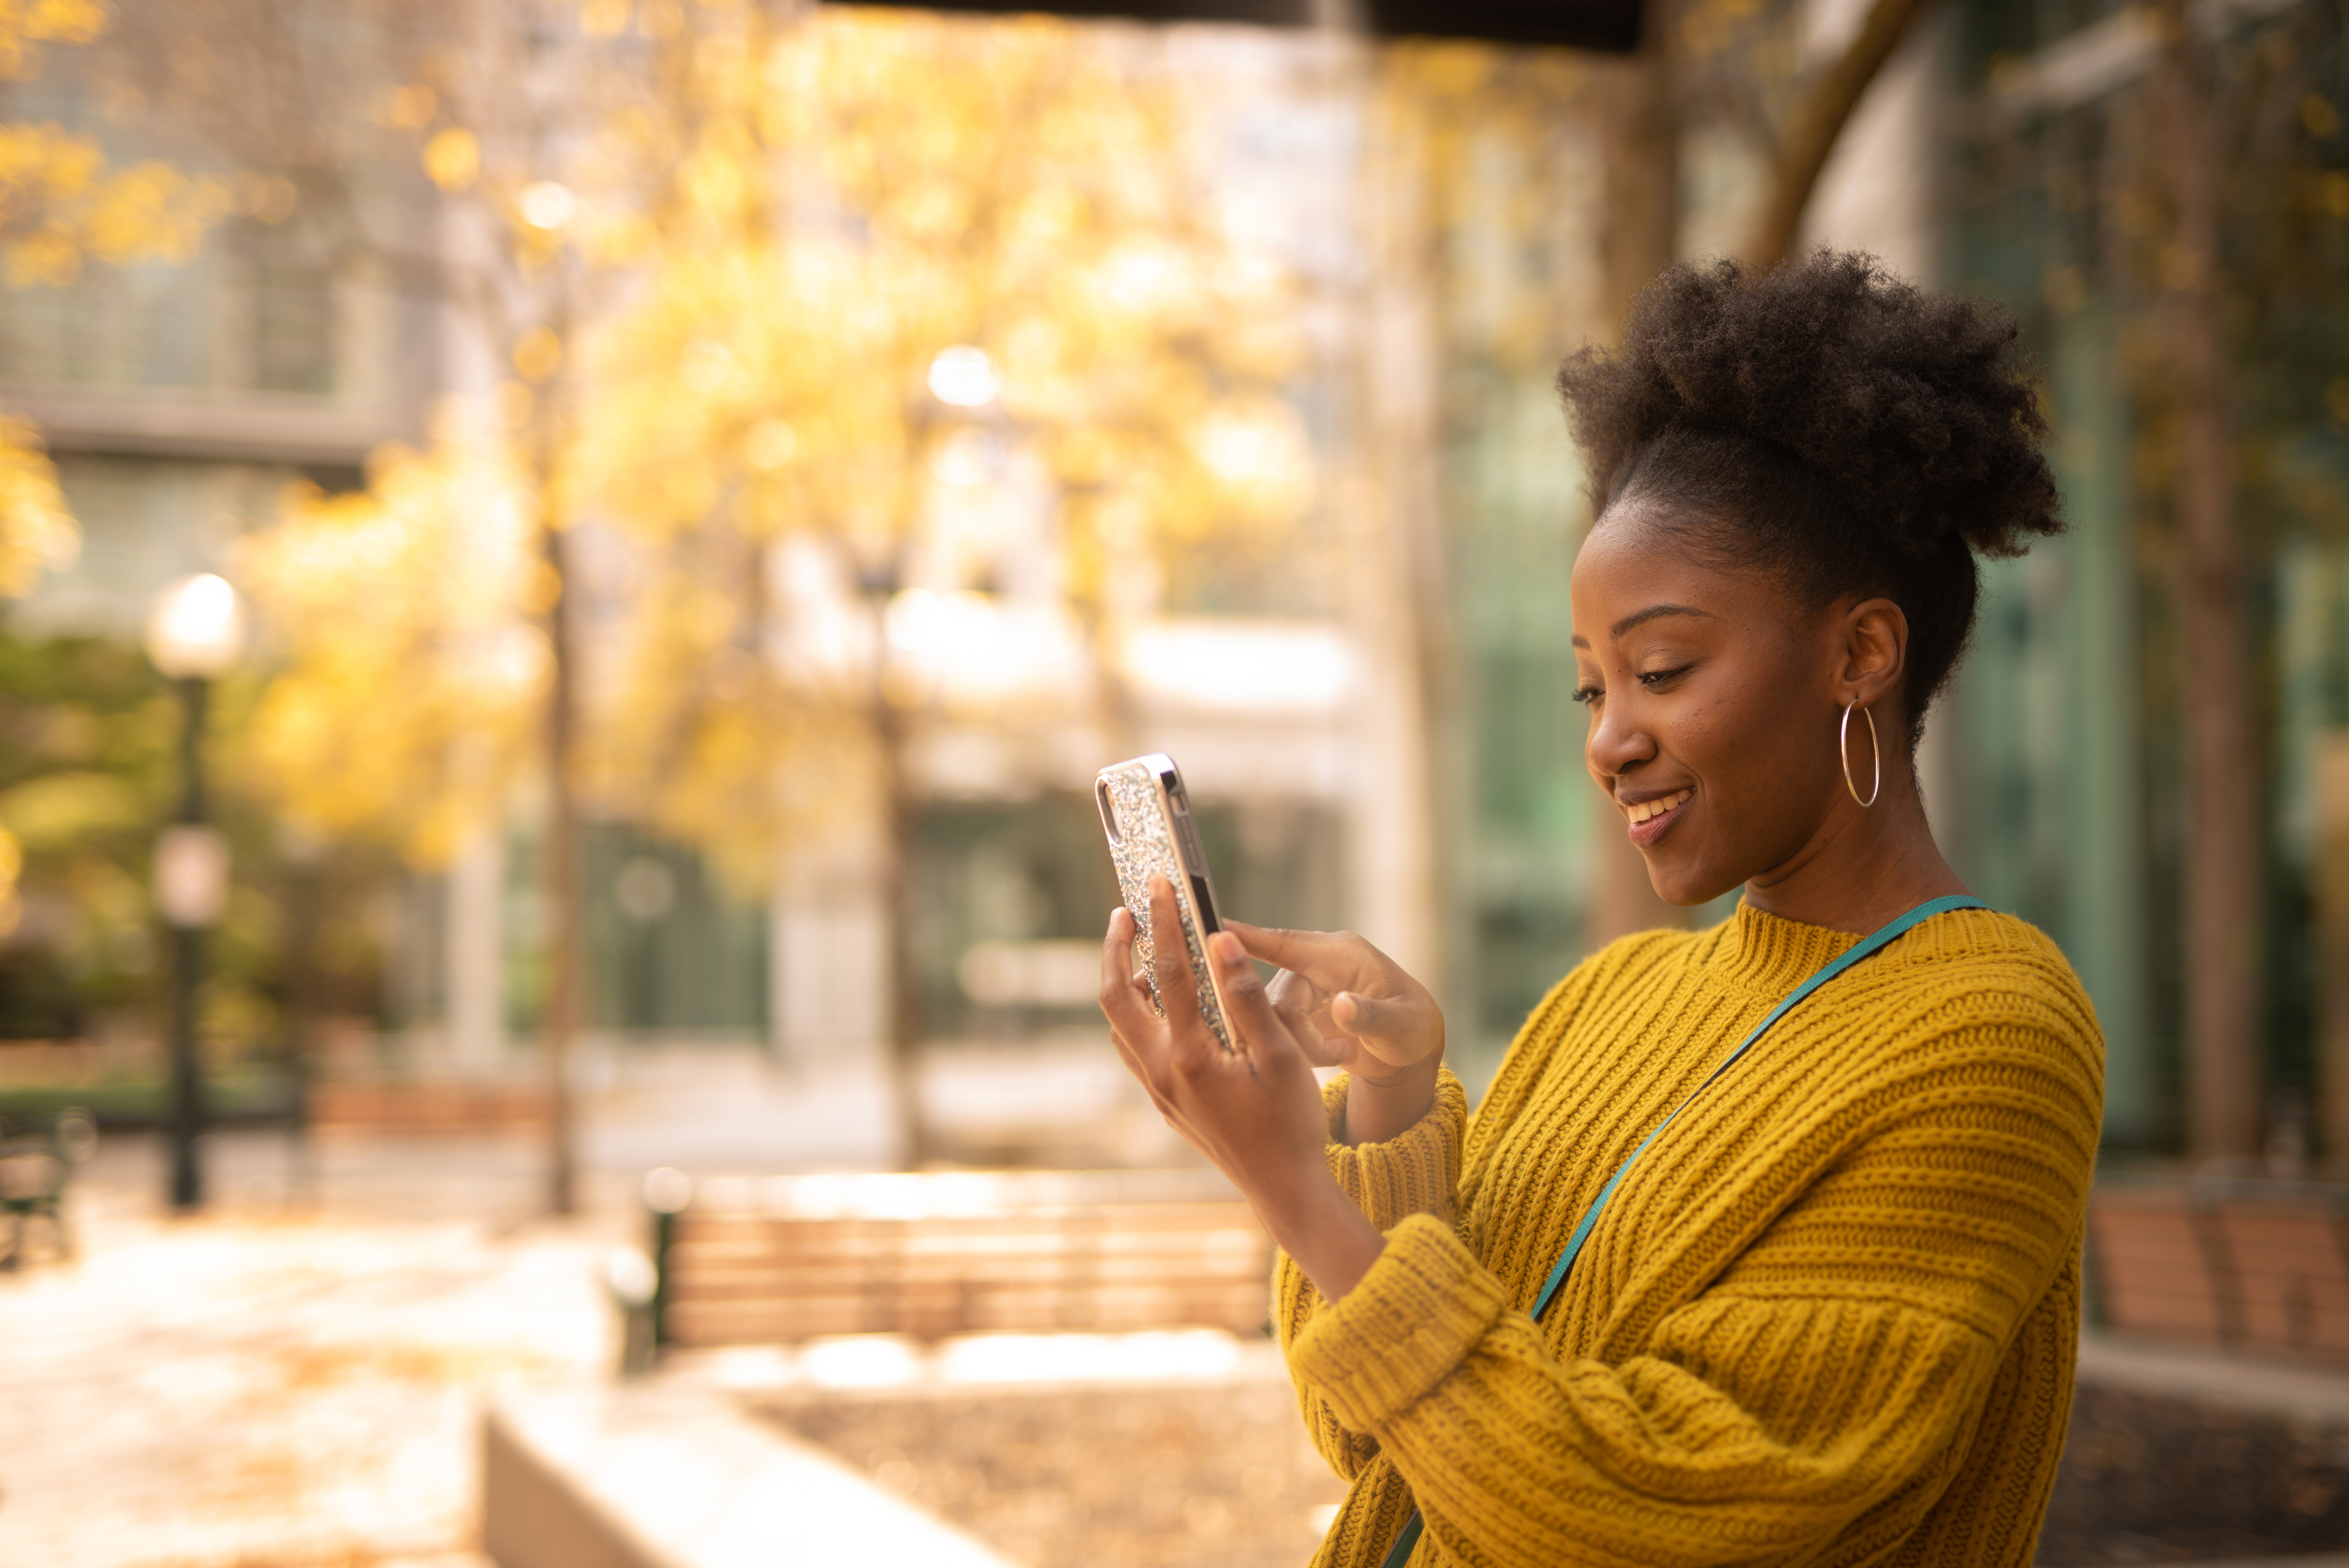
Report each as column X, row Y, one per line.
column 1147, row 815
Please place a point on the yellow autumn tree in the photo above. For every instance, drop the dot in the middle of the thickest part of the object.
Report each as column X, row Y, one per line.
column 36, row 532
column 721, row 308
column 412, row 671
column 60, row 202
column 1022, row 194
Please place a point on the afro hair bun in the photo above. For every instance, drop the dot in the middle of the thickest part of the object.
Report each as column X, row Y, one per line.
column 1828, row 420
column 1913, row 406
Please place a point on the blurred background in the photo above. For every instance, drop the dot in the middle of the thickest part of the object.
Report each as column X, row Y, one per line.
column 566, row 566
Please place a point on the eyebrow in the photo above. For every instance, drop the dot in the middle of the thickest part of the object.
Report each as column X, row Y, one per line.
column 1638, row 618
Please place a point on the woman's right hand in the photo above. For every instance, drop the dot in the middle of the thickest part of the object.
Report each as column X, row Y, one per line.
column 1349, row 1005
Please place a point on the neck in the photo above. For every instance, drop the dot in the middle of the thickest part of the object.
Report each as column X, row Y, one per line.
column 1863, row 867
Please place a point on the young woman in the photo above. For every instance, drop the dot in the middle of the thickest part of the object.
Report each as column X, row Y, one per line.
column 1828, row 1315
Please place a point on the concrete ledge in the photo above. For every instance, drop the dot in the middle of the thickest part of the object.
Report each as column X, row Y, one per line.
column 2286, row 1390
column 668, row 1476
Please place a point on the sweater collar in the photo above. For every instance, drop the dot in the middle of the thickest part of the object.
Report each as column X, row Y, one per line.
column 1765, row 954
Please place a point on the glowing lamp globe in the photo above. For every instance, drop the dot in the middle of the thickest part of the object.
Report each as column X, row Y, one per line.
column 196, row 630
column 964, row 377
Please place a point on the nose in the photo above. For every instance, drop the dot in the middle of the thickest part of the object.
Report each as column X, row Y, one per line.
column 1617, row 742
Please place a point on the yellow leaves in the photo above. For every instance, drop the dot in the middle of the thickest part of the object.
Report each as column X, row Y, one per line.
column 153, row 211
column 809, row 218
column 46, row 159
column 58, row 203
column 56, row 810
column 36, row 532
column 2318, row 115
column 604, row 19
column 26, row 23
column 769, row 445
column 717, row 183
column 452, row 158
column 743, row 366
column 12, row 866
column 538, row 354
column 410, row 106
column 413, row 662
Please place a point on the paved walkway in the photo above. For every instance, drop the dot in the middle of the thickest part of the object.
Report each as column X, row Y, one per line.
column 293, row 1379
column 275, row 1385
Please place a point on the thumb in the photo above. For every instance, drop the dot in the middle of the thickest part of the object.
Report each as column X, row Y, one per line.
column 1251, row 1010
column 1380, row 1024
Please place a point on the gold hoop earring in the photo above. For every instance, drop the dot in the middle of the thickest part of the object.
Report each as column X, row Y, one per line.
column 1843, row 755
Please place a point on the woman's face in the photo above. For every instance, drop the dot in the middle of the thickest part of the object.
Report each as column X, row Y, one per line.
column 1714, row 697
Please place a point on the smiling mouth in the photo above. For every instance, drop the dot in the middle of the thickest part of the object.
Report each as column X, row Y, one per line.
column 1651, row 819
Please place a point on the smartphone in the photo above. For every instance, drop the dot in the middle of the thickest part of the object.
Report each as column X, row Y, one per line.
column 1147, row 815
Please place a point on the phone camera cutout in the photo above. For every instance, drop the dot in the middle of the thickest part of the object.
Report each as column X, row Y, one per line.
column 1108, row 811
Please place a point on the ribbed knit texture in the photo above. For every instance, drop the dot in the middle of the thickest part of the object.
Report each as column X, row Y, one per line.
column 1830, row 1318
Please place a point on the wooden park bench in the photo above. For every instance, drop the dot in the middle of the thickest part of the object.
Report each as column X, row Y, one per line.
column 455, row 1106
column 38, row 1156
column 751, row 1260
column 2250, row 1266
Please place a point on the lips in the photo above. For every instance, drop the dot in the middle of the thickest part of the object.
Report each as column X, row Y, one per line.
column 1651, row 819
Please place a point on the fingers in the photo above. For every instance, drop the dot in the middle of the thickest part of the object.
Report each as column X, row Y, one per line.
column 1159, row 1101
column 1301, row 1006
column 1304, row 951
column 1122, row 999
column 1189, row 1038
column 1332, row 960
column 1135, row 1029
column 1249, row 1009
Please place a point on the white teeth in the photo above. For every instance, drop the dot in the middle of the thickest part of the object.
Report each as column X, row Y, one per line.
column 1651, row 808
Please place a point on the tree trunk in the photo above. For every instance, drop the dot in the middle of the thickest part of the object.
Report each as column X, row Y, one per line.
column 903, row 986
column 1396, row 581
column 1642, row 230
column 2223, row 846
column 566, row 900
column 2333, row 949
column 1819, row 121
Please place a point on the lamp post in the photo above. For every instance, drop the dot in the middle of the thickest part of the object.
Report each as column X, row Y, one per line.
column 194, row 635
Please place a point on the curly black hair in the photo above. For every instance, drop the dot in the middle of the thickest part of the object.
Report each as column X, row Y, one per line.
column 1829, row 421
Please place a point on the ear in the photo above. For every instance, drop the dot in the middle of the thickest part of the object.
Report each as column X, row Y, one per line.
column 1873, row 653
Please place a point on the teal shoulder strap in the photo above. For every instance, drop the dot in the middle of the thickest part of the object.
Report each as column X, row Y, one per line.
column 1399, row 1553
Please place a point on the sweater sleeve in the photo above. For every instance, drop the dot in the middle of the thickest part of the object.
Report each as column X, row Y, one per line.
column 1836, row 1366
column 1414, row 1173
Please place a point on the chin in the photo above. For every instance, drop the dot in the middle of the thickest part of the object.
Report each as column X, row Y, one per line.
column 1686, row 886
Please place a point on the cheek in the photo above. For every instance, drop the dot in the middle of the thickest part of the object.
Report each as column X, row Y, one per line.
column 1739, row 739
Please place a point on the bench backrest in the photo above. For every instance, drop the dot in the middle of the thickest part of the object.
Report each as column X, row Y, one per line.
column 2258, row 1265
column 748, row 1260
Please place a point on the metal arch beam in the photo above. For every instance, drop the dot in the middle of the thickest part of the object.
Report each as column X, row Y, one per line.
column 1609, row 26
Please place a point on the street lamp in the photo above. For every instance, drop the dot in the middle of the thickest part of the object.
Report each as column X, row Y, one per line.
column 194, row 634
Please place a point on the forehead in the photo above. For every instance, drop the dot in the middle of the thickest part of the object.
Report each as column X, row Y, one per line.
column 1638, row 557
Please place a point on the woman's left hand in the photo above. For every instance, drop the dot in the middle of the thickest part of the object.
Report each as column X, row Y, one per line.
column 1255, row 1111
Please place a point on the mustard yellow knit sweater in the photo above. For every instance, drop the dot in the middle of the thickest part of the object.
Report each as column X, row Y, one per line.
column 1830, row 1318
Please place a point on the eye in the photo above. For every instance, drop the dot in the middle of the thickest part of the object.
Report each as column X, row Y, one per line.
column 1587, row 695
column 1654, row 678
